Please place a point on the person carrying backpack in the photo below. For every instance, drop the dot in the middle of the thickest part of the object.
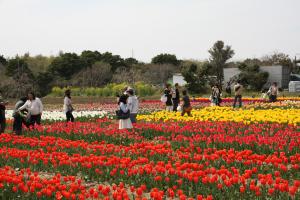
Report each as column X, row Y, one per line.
column 123, row 113
column 19, row 116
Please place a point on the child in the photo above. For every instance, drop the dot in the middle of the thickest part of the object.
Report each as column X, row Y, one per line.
column 186, row 106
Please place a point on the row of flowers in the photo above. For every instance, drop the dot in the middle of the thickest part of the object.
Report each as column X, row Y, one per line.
column 288, row 116
column 203, row 171
column 262, row 137
column 59, row 115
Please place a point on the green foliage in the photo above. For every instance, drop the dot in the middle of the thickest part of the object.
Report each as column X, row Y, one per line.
column 38, row 64
column 3, row 61
column 114, row 60
column 165, row 59
column 219, row 55
column 196, row 76
column 252, row 76
column 131, row 61
column 66, row 65
column 43, row 81
column 90, row 57
column 109, row 90
column 17, row 67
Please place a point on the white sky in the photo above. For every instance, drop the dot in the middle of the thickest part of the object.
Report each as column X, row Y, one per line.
column 187, row 28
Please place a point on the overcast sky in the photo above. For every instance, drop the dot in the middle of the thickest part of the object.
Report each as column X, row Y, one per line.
column 187, row 28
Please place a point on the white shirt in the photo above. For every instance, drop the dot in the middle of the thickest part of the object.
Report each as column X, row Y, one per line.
column 133, row 104
column 35, row 107
column 67, row 104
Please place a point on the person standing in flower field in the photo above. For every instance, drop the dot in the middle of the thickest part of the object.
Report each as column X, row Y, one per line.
column 186, row 106
column 273, row 92
column 123, row 113
column 216, row 96
column 168, row 94
column 175, row 97
column 35, row 109
column 68, row 108
column 3, row 104
column 19, row 117
column 133, row 105
column 238, row 89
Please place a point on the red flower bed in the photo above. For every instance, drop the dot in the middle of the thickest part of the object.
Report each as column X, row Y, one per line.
column 180, row 160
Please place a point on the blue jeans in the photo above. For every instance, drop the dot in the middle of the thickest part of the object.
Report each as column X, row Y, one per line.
column 239, row 99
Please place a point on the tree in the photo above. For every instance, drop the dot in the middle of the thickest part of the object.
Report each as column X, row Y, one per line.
column 157, row 73
column 90, row 57
column 219, row 55
column 114, row 60
column 131, row 61
column 43, row 82
column 38, row 63
column 165, row 59
column 252, row 76
column 98, row 75
column 278, row 59
column 17, row 67
column 196, row 76
column 3, row 61
column 66, row 65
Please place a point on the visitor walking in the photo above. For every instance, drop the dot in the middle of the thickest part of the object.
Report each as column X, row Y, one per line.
column 133, row 105
column 19, row 117
column 168, row 94
column 68, row 108
column 176, row 97
column 3, row 104
column 238, row 89
column 186, row 106
column 216, row 96
column 124, row 113
column 35, row 109
column 273, row 92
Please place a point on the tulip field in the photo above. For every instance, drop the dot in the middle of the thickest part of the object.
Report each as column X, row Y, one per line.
column 218, row 153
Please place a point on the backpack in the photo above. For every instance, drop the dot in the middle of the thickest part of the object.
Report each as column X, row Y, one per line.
column 122, row 115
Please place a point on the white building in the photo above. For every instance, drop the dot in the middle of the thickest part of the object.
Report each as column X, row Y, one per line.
column 277, row 73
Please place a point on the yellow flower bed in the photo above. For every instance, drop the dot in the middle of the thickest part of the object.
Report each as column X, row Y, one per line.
column 286, row 104
column 290, row 116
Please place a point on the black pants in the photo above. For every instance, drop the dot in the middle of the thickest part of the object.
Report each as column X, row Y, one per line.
column 273, row 98
column 2, row 124
column 17, row 125
column 69, row 116
column 133, row 117
column 237, row 98
column 175, row 104
column 34, row 119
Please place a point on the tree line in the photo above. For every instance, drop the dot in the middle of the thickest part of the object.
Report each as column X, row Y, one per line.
column 20, row 74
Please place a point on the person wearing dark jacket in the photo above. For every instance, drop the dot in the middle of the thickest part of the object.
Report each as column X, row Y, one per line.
column 3, row 103
column 176, row 97
column 168, row 94
column 186, row 106
column 19, row 116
